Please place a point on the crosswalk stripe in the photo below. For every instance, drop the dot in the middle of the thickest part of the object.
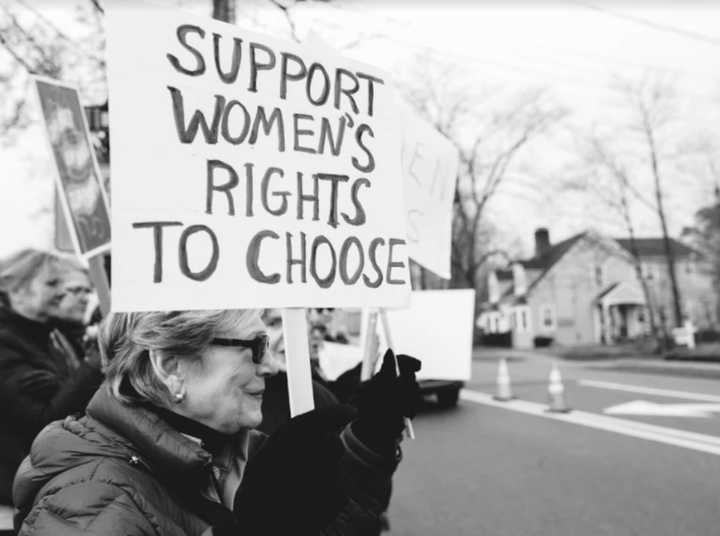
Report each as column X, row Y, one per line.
column 661, row 434
column 670, row 393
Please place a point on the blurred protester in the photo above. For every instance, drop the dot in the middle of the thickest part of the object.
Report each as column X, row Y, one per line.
column 78, row 314
column 344, row 387
column 71, row 313
column 276, row 404
column 42, row 377
column 168, row 444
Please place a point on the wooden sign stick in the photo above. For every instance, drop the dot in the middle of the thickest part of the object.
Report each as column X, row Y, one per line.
column 369, row 360
column 388, row 338
column 100, row 280
column 297, row 358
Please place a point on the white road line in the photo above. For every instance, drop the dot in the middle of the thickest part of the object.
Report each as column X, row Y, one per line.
column 661, row 434
column 687, row 395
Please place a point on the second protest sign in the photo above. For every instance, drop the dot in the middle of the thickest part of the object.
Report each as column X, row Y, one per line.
column 249, row 172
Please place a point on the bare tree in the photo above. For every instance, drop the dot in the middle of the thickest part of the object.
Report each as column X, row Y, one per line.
column 490, row 127
column 37, row 45
column 609, row 181
column 705, row 237
column 651, row 106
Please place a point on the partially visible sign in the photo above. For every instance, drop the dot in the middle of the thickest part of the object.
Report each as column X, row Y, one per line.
column 336, row 358
column 249, row 171
column 79, row 181
column 63, row 240
column 430, row 167
column 437, row 328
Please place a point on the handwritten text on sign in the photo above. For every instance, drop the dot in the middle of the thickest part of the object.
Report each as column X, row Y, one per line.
column 249, row 172
column 430, row 166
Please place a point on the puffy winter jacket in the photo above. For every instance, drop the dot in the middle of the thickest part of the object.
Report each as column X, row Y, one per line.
column 122, row 470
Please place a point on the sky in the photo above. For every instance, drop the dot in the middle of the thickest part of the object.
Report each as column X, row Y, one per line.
column 571, row 49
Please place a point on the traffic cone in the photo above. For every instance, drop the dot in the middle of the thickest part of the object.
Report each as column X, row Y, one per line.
column 556, row 392
column 504, row 392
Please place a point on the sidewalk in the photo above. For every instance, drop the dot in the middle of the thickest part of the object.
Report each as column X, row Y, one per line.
column 641, row 364
column 696, row 369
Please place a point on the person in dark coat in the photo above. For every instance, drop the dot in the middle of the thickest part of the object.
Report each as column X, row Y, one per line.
column 276, row 405
column 72, row 311
column 41, row 380
column 168, row 445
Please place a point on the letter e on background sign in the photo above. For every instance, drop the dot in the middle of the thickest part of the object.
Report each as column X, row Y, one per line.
column 430, row 167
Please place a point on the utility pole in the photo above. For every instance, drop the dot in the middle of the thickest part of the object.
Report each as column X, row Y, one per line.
column 224, row 10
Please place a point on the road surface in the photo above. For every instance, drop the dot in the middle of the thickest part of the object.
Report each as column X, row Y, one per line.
column 511, row 469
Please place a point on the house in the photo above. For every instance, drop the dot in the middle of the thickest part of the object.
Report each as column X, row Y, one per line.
column 585, row 289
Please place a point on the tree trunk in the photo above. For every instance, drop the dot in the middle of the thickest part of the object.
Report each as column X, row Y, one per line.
column 625, row 209
column 659, row 335
column 669, row 254
column 224, row 10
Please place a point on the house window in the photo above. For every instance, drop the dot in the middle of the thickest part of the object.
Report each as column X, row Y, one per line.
column 649, row 271
column 599, row 275
column 547, row 317
column 522, row 319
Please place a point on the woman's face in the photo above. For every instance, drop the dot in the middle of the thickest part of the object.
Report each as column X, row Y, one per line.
column 225, row 390
column 77, row 288
column 40, row 297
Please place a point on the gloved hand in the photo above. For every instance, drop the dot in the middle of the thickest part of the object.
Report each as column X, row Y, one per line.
column 384, row 401
column 293, row 481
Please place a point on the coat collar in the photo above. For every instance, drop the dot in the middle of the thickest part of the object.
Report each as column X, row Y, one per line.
column 30, row 329
column 158, row 444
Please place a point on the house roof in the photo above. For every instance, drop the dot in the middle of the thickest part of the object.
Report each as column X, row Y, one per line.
column 654, row 247
column 544, row 262
column 548, row 259
column 605, row 292
column 622, row 292
column 646, row 247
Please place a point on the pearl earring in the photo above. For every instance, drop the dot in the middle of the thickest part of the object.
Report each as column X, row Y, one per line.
column 179, row 397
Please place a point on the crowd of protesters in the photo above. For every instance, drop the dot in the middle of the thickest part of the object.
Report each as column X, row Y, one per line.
column 179, row 422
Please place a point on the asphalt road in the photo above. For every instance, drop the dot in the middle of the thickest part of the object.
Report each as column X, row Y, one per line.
column 486, row 470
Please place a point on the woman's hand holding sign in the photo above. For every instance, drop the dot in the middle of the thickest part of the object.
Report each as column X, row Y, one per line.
column 384, row 401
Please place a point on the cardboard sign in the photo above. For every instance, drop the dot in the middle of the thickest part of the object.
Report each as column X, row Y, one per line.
column 430, row 166
column 63, row 240
column 249, row 171
column 336, row 358
column 436, row 328
column 79, row 180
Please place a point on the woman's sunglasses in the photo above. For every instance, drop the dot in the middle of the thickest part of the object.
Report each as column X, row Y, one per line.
column 259, row 345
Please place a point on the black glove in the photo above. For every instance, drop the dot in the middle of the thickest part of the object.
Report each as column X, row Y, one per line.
column 346, row 385
column 383, row 403
column 293, row 481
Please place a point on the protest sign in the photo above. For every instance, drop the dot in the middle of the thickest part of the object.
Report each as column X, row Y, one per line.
column 336, row 358
column 63, row 240
column 436, row 328
column 79, row 180
column 430, row 166
column 249, row 171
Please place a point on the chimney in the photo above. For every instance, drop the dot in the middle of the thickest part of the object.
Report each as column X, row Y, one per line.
column 542, row 241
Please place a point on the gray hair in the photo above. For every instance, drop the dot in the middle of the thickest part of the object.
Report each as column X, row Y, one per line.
column 125, row 340
column 18, row 270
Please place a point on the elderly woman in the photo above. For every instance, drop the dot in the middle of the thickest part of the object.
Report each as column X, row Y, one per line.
column 71, row 314
column 41, row 378
column 167, row 445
